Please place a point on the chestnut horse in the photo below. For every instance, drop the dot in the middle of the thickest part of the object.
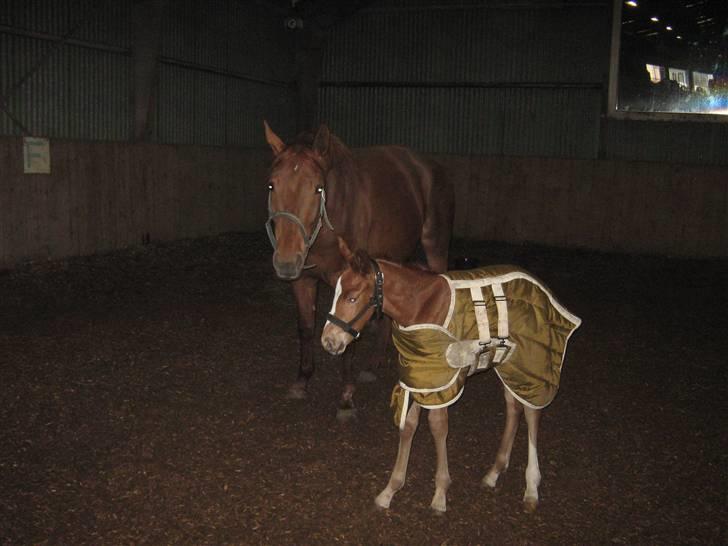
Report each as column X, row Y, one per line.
column 423, row 302
column 384, row 199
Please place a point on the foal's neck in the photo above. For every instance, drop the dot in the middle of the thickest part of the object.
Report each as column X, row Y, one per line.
column 413, row 296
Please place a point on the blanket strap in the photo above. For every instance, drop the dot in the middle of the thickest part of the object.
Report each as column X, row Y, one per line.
column 481, row 314
column 501, row 306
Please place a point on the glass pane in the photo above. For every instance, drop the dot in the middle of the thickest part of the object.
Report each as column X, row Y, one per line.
column 673, row 56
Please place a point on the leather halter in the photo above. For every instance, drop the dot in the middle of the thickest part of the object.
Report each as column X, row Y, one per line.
column 308, row 242
column 376, row 301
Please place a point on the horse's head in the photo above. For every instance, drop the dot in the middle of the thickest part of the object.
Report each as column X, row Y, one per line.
column 297, row 199
column 359, row 294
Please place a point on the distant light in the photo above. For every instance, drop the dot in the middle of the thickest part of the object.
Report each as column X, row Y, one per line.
column 678, row 37
column 631, row 3
column 654, row 18
column 668, row 28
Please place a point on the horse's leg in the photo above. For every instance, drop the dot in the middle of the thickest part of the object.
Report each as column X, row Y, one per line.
column 304, row 292
column 533, row 474
column 399, row 472
column 503, row 457
column 437, row 228
column 438, row 421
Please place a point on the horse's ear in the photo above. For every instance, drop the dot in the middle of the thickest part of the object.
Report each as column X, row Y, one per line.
column 322, row 140
column 345, row 250
column 273, row 139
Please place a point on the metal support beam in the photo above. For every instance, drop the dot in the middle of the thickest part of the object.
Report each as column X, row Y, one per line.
column 147, row 21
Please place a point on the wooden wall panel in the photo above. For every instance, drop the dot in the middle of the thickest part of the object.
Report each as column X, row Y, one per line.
column 106, row 196
column 623, row 206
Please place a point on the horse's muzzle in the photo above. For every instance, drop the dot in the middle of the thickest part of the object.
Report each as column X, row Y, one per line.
column 288, row 270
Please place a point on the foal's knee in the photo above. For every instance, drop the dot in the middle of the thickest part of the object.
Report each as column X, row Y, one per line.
column 438, row 421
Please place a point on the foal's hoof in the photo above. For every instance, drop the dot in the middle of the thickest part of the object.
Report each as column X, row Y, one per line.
column 345, row 415
column 530, row 504
column 439, row 510
column 366, row 376
column 297, row 391
column 382, row 501
column 489, row 482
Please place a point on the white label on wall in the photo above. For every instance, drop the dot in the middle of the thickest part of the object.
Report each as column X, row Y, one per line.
column 36, row 155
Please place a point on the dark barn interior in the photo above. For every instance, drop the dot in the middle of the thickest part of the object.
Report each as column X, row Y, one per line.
column 147, row 347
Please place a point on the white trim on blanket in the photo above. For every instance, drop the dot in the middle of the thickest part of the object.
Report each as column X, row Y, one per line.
column 406, row 400
column 435, row 389
column 427, row 326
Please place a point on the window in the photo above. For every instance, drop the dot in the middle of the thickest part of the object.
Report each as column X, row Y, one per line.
column 669, row 57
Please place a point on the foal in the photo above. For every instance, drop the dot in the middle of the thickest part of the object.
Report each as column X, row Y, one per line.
column 443, row 334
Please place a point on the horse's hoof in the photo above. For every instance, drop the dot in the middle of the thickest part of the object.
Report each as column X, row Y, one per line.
column 382, row 504
column 530, row 504
column 366, row 376
column 345, row 415
column 296, row 392
column 438, row 510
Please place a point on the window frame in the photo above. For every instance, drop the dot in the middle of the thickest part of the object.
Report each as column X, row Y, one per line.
column 613, row 86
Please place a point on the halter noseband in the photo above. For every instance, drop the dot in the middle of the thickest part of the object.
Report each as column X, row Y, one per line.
column 376, row 301
column 308, row 242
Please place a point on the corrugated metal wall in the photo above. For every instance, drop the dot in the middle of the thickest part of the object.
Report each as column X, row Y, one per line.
column 495, row 77
column 225, row 65
column 82, row 90
column 512, row 78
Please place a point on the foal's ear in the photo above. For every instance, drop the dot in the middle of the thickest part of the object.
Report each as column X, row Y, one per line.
column 322, row 140
column 361, row 263
column 273, row 139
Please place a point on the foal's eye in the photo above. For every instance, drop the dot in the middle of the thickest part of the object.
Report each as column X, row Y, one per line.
column 270, row 186
column 319, row 189
column 351, row 300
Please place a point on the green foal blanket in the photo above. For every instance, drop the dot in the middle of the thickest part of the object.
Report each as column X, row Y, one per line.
column 524, row 319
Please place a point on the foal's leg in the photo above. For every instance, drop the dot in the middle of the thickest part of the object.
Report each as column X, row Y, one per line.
column 396, row 480
column 438, row 427
column 503, row 457
column 533, row 474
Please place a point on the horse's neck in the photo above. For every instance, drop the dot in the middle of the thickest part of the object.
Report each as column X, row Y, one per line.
column 414, row 297
column 342, row 181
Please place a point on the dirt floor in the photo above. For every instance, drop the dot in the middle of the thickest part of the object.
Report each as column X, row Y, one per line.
column 143, row 402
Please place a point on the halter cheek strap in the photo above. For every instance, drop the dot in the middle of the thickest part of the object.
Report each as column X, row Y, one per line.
column 323, row 219
column 376, row 301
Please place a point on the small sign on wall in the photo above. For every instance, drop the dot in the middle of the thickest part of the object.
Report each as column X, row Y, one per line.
column 36, row 155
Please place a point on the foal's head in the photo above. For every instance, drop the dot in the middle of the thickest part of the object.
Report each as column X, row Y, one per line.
column 357, row 297
column 296, row 202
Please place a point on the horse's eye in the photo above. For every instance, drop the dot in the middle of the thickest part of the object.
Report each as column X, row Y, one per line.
column 319, row 189
column 270, row 187
column 352, row 300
